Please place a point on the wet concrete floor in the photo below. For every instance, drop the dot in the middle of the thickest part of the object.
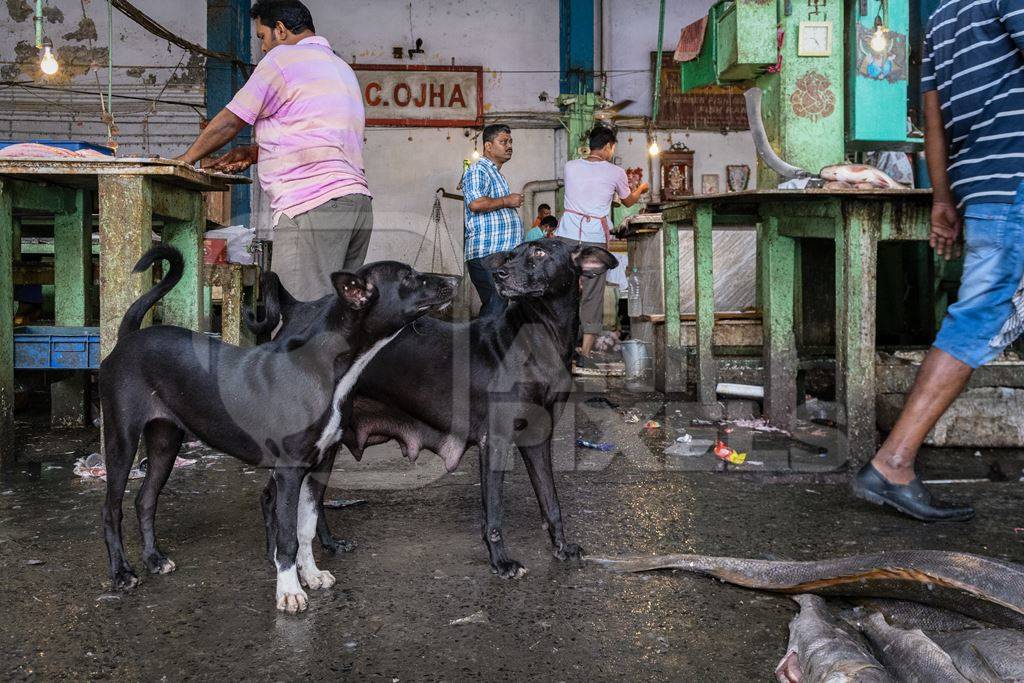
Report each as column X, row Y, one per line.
column 419, row 565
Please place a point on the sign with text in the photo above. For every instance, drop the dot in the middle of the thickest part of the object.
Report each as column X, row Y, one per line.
column 415, row 95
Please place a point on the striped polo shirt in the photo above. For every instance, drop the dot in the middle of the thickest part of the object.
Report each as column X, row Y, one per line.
column 973, row 58
column 307, row 111
column 488, row 232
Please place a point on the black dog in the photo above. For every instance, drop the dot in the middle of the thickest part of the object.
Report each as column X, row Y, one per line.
column 495, row 382
column 277, row 407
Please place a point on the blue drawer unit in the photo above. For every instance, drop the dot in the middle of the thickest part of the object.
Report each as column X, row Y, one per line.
column 56, row 348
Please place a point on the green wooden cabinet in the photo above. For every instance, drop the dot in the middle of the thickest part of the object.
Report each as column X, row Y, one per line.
column 745, row 39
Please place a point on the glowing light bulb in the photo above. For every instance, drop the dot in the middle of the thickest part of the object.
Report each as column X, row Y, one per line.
column 879, row 42
column 48, row 63
column 654, row 150
column 476, row 155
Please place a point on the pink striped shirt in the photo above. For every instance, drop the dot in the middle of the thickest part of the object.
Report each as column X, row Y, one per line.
column 307, row 109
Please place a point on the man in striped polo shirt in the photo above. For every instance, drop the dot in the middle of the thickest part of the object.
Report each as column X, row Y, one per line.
column 972, row 76
column 307, row 109
column 492, row 222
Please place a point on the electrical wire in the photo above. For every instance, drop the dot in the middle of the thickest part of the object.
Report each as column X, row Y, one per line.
column 30, row 85
column 145, row 21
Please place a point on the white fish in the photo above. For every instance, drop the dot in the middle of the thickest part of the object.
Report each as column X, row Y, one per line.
column 859, row 173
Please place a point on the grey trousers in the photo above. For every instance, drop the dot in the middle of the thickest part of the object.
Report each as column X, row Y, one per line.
column 592, row 297
column 308, row 248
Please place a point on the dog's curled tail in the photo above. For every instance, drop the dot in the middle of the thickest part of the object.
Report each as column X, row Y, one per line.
column 274, row 294
column 137, row 311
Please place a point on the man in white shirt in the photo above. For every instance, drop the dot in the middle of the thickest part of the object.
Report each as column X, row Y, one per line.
column 591, row 184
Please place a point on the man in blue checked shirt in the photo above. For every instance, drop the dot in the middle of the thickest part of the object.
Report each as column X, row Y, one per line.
column 492, row 222
column 972, row 75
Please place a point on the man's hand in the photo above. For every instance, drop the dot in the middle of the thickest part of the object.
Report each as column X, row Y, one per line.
column 236, row 160
column 642, row 188
column 513, row 201
column 946, row 227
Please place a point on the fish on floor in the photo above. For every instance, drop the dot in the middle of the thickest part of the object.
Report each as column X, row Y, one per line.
column 822, row 648
column 909, row 654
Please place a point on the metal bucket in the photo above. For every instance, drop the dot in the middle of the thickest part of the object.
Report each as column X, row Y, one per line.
column 636, row 355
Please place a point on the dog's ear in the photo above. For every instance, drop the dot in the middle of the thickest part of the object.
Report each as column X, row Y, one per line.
column 497, row 260
column 593, row 260
column 356, row 292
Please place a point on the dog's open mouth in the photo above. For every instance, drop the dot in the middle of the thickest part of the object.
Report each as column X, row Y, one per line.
column 435, row 306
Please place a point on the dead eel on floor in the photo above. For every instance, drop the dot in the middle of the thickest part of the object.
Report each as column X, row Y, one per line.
column 984, row 588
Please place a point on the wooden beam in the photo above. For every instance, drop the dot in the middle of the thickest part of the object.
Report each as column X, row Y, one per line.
column 674, row 376
column 126, row 233
column 856, row 265
column 173, row 203
column 183, row 305
column 704, row 284
column 780, row 356
column 35, row 196
column 6, row 330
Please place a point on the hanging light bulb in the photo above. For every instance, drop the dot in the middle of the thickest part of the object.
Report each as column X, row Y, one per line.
column 879, row 40
column 654, row 150
column 476, row 155
column 48, row 63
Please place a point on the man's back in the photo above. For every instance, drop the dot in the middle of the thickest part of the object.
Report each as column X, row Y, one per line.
column 309, row 119
column 973, row 60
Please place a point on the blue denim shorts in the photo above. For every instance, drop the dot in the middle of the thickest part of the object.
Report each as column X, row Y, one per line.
column 993, row 266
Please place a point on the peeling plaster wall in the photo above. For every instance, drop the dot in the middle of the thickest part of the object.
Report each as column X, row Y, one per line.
column 145, row 66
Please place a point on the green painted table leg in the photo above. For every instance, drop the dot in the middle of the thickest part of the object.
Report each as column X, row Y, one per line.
column 72, row 249
column 6, row 330
column 856, row 267
column 183, row 305
column 704, row 285
column 674, row 376
column 126, row 233
column 780, row 360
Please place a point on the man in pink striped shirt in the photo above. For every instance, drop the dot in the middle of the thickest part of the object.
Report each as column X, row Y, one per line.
column 307, row 110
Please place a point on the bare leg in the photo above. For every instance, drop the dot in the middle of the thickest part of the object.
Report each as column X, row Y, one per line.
column 588, row 344
column 939, row 381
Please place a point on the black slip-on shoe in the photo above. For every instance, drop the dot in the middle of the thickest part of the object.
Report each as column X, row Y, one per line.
column 913, row 499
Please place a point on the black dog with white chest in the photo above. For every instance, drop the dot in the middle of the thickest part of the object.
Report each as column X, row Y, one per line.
column 277, row 407
column 497, row 382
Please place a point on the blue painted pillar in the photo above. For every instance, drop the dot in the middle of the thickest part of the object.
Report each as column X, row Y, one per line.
column 576, row 53
column 229, row 29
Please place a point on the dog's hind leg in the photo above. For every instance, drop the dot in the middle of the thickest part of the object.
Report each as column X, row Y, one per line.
column 163, row 440
column 310, row 499
column 538, row 465
column 121, row 440
column 330, row 544
column 494, row 461
column 288, row 480
column 267, row 502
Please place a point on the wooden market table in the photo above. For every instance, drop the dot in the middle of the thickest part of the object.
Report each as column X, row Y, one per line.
column 129, row 194
column 856, row 220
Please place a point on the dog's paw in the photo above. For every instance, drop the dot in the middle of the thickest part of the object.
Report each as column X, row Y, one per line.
column 159, row 564
column 317, row 579
column 338, row 545
column 568, row 551
column 292, row 602
column 124, row 580
column 509, row 569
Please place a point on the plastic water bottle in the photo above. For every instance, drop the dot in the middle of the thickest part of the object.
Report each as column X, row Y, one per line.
column 633, row 306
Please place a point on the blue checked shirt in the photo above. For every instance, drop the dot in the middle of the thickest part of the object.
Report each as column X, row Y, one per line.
column 493, row 231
